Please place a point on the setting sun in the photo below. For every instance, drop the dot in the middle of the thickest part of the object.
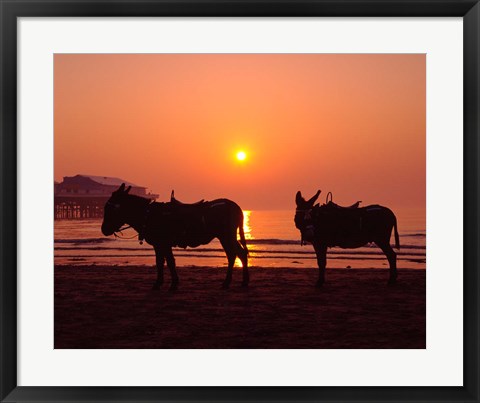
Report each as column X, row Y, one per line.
column 241, row 156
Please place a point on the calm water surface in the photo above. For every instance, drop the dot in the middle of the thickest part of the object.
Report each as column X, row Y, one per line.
column 272, row 239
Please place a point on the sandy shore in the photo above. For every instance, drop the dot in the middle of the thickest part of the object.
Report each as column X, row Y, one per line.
column 115, row 307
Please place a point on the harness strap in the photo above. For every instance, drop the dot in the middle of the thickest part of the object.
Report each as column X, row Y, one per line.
column 123, row 229
column 141, row 234
column 308, row 213
column 123, row 237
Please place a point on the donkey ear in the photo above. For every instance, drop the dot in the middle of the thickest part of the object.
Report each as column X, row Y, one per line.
column 172, row 195
column 121, row 188
column 128, row 189
column 314, row 198
column 298, row 198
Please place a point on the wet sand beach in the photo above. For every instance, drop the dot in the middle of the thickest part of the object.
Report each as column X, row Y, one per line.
column 115, row 307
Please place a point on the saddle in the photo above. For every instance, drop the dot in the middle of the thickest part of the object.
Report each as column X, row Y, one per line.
column 339, row 222
column 332, row 205
column 177, row 202
column 329, row 204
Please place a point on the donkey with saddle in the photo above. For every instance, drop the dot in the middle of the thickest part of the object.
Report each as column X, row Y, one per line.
column 346, row 227
column 167, row 225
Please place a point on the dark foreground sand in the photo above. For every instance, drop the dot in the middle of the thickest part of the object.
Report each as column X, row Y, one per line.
column 115, row 307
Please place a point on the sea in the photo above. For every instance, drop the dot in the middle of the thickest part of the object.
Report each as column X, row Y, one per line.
column 272, row 240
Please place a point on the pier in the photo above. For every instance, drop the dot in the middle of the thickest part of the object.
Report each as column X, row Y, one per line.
column 84, row 196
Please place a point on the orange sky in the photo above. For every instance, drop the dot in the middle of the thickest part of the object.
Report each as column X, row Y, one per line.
column 350, row 124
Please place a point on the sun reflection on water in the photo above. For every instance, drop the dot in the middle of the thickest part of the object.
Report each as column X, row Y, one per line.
column 247, row 229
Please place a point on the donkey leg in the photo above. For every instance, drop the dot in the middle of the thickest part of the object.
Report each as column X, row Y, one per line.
column 392, row 260
column 243, row 256
column 321, row 252
column 160, row 261
column 231, row 256
column 173, row 271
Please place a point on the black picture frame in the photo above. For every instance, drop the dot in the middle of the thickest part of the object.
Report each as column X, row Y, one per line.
column 10, row 10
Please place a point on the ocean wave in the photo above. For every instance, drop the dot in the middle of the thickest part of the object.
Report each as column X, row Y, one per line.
column 81, row 241
column 374, row 250
column 252, row 251
column 221, row 256
column 273, row 241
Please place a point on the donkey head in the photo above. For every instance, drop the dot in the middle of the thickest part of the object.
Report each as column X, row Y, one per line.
column 114, row 211
column 303, row 215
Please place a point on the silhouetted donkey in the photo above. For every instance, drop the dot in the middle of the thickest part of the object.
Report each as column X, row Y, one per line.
column 347, row 227
column 165, row 225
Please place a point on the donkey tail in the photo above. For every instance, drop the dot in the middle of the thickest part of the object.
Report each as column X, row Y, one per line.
column 242, row 233
column 397, row 239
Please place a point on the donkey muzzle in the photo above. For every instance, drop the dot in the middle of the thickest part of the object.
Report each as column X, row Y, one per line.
column 106, row 230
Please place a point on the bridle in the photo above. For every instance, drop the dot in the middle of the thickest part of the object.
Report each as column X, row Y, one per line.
column 123, row 237
column 116, row 206
column 306, row 217
column 141, row 235
column 307, row 213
